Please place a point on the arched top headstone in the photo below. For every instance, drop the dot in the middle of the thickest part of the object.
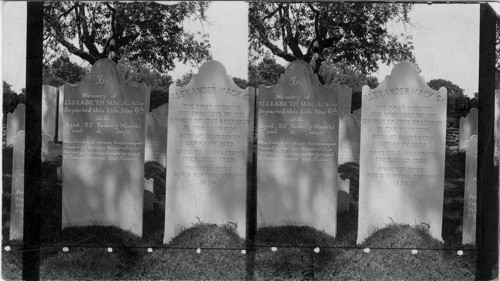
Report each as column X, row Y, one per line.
column 211, row 72
column 211, row 79
column 405, row 76
column 297, row 73
column 104, row 73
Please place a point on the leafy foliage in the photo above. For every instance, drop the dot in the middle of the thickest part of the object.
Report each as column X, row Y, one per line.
column 10, row 98
column 138, row 30
column 339, row 32
column 138, row 71
column 62, row 71
column 454, row 91
column 267, row 72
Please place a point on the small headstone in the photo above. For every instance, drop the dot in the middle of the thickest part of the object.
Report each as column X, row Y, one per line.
column 45, row 146
column 15, row 123
column 59, row 174
column 349, row 138
column 148, row 194
column 343, row 195
column 403, row 134
column 156, row 141
column 60, row 120
column 103, row 150
column 161, row 114
column 468, row 128
column 17, row 193
column 297, row 151
column 345, row 100
column 470, row 193
column 209, row 125
column 357, row 116
column 49, row 110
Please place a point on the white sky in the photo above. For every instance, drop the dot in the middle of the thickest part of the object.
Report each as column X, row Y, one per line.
column 445, row 38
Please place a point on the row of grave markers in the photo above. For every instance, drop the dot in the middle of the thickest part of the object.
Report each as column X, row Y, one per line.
column 209, row 124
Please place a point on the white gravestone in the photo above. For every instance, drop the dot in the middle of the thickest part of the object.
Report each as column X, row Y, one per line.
column 297, row 151
column 343, row 195
column 468, row 128
column 470, row 193
column 17, row 193
column 60, row 120
column 148, row 194
column 209, row 124
column 45, row 146
column 49, row 110
column 161, row 114
column 15, row 123
column 156, row 141
column 357, row 115
column 349, row 138
column 345, row 100
column 103, row 150
column 403, row 129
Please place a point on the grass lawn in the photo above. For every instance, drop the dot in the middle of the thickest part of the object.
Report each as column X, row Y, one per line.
column 220, row 258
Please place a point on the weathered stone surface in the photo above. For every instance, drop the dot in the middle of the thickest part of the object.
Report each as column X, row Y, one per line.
column 15, row 123
column 297, row 151
column 210, row 121
column 349, row 138
column 103, row 150
column 468, row 128
column 470, row 193
column 156, row 141
column 403, row 131
column 17, row 192
column 49, row 110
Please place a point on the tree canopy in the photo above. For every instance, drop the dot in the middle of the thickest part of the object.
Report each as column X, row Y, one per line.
column 267, row 72
column 454, row 91
column 354, row 33
column 61, row 71
column 10, row 99
column 138, row 30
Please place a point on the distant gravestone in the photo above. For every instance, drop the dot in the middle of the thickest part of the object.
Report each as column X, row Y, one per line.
column 103, row 150
column 297, row 151
column 470, row 194
column 349, row 138
column 468, row 128
column 45, row 146
column 209, row 126
column 343, row 195
column 403, row 133
column 161, row 114
column 156, row 141
column 17, row 192
column 15, row 123
column 60, row 113
column 357, row 116
column 148, row 194
column 49, row 110
column 345, row 100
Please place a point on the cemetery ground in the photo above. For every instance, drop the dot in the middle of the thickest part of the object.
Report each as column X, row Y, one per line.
column 221, row 257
